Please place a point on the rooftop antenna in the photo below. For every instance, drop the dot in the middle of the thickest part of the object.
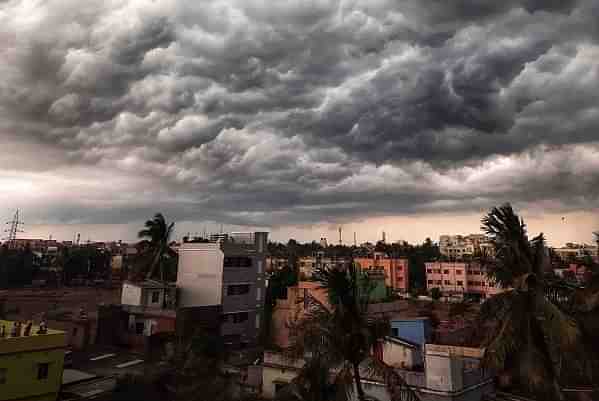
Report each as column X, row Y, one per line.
column 340, row 241
column 15, row 227
column 384, row 237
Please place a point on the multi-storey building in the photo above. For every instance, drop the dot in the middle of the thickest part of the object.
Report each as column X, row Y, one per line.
column 397, row 274
column 434, row 372
column 220, row 290
column 571, row 252
column 31, row 362
column 460, row 278
column 457, row 247
column 308, row 264
column 227, row 275
column 274, row 263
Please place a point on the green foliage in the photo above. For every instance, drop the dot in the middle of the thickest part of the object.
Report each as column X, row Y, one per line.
column 156, row 240
column 532, row 338
column 84, row 262
column 17, row 267
column 339, row 338
column 435, row 293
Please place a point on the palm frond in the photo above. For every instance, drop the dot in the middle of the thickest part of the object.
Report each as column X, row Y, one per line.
column 397, row 387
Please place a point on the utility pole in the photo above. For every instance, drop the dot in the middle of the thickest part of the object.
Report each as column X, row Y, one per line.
column 355, row 240
column 340, row 241
column 15, row 227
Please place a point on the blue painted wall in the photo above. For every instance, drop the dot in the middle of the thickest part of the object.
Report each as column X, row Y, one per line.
column 418, row 331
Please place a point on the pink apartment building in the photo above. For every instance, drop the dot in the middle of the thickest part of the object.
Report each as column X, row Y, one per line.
column 459, row 278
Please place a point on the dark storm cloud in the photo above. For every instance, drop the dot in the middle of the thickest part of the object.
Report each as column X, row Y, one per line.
column 254, row 112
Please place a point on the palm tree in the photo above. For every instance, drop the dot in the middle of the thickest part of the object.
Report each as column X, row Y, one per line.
column 532, row 336
column 339, row 340
column 156, row 235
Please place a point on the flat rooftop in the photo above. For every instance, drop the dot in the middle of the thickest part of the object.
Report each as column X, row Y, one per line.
column 34, row 341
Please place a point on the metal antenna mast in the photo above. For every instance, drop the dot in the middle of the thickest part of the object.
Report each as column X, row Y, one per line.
column 15, row 227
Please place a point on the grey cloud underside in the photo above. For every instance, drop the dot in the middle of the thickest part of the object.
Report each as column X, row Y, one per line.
column 297, row 112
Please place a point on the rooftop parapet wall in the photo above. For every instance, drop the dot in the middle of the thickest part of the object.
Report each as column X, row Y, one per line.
column 33, row 342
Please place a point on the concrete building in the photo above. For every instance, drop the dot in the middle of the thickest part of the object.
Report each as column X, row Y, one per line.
column 144, row 320
column 456, row 279
column 290, row 310
column 400, row 353
column 458, row 247
column 308, row 264
column 274, row 264
column 572, row 252
column 227, row 275
column 31, row 363
column 417, row 330
column 397, row 272
column 449, row 374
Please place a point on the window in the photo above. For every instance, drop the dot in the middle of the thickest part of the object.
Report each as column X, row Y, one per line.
column 439, row 282
column 237, row 261
column 3, row 375
column 139, row 327
column 470, row 282
column 395, row 332
column 399, row 268
column 42, row 370
column 257, row 322
column 447, row 282
column 75, row 331
column 429, row 271
column 238, row 289
column 155, row 296
column 430, row 281
column 445, row 271
column 460, row 282
column 258, row 294
column 458, row 272
column 238, row 317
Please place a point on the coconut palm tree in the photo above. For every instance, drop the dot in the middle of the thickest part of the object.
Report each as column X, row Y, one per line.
column 339, row 340
column 156, row 235
column 532, row 336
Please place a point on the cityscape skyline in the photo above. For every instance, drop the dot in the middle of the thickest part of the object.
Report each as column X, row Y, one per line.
column 559, row 229
column 328, row 112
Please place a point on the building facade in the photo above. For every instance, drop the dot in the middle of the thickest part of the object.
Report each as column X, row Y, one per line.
column 397, row 272
column 448, row 373
column 31, row 363
column 230, row 275
column 308, row 264
column 458, row 247
column 456, row 279
column 290, row 310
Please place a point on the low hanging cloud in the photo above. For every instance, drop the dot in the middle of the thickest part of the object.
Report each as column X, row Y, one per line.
column 259, row 113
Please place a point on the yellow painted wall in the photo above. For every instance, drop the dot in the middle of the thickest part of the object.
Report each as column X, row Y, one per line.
column 21, row 378
column 20, row 357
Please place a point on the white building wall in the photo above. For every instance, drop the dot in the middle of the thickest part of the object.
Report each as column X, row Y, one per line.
column 200, row 274
column 131, row 295
column 400, row 356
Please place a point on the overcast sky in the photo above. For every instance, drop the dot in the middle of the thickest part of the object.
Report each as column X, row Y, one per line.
column 298, row 116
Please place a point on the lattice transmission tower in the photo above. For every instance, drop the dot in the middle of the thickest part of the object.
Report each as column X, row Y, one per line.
column 15, row 227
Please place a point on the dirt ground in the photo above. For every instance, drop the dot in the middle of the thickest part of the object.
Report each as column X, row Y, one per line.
column 28, row 304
